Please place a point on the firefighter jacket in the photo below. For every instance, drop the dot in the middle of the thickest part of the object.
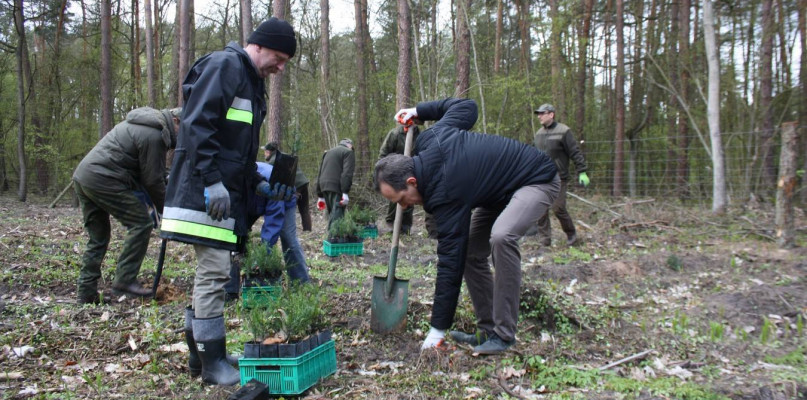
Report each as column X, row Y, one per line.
column 218, row 142
column 558, row 142
column 131, row 157
column 458, row 170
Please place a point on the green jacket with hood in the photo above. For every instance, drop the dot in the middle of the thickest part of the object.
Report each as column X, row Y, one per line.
column 336, row 170
column 131, row 156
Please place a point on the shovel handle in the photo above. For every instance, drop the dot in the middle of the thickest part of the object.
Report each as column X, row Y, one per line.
column 396, row 228
column 159, row 273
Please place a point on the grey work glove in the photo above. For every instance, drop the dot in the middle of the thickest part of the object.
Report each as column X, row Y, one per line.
column 217, row 201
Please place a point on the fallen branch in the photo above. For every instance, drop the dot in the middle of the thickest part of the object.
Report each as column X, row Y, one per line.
column 633, row 203
column 637, row 356
column 594, row 205
column 506, row 388
column 69, row 185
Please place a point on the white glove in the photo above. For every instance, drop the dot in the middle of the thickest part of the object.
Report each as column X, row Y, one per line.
column 344, row 200
column 435, row 338
column 406, row 114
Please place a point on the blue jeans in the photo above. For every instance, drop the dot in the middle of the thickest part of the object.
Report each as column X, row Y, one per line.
column 292, row 251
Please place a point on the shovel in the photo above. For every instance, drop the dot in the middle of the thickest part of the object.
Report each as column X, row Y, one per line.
column 159, row 273
column 391, row 295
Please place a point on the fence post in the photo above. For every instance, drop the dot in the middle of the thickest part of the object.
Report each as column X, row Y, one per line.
column 786, row 186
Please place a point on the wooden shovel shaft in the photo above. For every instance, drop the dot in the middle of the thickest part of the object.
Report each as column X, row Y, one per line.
column 396, row 227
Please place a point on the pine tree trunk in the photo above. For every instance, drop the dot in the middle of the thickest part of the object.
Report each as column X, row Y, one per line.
column 404, row 79
column 24, row 74
column 361, row 83
column 275, row 107
column 325, row 68
column 150, row 72
column 462, row 50
column 619, row 94
column 719, row 201
column 766, row 126
column 106, row 66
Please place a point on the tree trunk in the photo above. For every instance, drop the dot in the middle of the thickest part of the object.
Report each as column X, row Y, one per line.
column 582, row 68
column 556, row 69
column 24, row 74
column 184, row 46
column 765, row 109
column 673, row 117
column 619, row 94
column 497, row 46
column 245, row 7
column 325, row 68
column 713, row 109
column 150, row 72
column 462, row 50
column 802, row 10
column 275, row 111
column 404, row 80
column 524, row 33
column 106, row 68
column 638, row 110
column 684, row 61
column 137, row 96
column 361, row 83
column 786, row 186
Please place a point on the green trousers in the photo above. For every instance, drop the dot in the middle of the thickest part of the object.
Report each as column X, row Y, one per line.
column 335, row 211
column 96, row 207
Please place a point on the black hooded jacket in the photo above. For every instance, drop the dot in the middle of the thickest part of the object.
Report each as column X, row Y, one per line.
column 458, row 170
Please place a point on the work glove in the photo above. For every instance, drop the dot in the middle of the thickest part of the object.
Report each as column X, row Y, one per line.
column 405, row 115
column 217, row 201
column 344, row 200
column 279, row 192
column 320, row 204
column 435, row 338
column 584, row 179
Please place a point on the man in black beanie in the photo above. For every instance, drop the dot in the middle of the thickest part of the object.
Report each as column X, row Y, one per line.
column 212, row 176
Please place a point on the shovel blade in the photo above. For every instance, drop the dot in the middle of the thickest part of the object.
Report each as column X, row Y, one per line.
column 388, row 313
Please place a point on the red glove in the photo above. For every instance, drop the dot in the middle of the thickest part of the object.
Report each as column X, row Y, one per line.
column 321, row 204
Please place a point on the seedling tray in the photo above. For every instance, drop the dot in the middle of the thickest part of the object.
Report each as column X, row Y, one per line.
column 290, row 376
column 253, row 296
column 371, row 232
column 335, row 249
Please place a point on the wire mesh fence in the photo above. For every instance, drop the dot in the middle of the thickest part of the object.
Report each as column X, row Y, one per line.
column 654, row 166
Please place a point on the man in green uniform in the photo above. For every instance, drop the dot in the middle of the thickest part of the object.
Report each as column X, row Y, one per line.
column 335, row 179
column 557, row 140
column 123, row 176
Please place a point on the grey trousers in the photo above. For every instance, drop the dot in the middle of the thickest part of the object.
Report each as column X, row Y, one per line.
column 495, row 233
column 559, row 208
column 212, row 273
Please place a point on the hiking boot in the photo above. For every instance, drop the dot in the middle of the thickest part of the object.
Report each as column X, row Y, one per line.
column 572, row 239
column 93, row 298
column 473, row 339
column 132, row 289
column 494, row 345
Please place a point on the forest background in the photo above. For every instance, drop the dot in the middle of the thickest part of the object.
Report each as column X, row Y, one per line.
column 631, row 78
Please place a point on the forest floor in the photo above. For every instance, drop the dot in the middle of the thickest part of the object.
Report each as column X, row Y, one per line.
column 713, row 306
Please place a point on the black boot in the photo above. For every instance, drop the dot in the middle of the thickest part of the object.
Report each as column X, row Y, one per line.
column 211, row 346
column 194, row 363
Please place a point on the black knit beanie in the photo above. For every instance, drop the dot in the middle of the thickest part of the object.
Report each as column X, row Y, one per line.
column 275, row 34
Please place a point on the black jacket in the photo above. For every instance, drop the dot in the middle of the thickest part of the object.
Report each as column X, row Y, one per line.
column 218, row 142
column 456, row 171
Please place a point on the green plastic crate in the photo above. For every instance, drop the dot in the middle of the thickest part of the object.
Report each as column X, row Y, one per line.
column 335, row 249
column 370, row 233
column 290, row 375
column 252, row 296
